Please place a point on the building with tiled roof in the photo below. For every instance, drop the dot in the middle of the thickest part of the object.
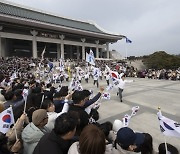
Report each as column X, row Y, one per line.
column 26, row 31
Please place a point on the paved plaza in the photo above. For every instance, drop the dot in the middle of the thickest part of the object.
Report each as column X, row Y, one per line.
column 148, row 94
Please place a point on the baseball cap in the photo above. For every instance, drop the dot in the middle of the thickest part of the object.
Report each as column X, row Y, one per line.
column 126, row 137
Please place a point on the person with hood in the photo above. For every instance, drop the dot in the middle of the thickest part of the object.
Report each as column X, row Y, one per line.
column 33, row 132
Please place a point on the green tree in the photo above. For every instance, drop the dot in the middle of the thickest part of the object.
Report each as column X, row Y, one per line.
column 160, row 60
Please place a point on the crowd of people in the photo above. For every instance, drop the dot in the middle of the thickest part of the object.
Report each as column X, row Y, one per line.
column 154, row 74
column 57, row 119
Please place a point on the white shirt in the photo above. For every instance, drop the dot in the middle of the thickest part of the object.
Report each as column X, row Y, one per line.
column 107, row 77
column 53, row 115
column 122, row 83
column 86, row 76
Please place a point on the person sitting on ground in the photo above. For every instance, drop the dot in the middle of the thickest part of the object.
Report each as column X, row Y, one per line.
column 33, row 132
column 60, row 138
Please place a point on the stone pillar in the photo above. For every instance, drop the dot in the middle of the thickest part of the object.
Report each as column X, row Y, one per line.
column 62, row 46
column 101, row 53
column 58, row 51
column 107, row 50
column 71, row 51
column 78, row 53
column 34, row 43
column 3, row 47
column 83, row 48
column 1, row 42
column 0, row 47
column 97, row 49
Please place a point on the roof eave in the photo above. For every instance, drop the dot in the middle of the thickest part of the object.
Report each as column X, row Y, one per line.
column 18, row 20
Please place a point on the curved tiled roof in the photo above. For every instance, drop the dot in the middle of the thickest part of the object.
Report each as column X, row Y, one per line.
column 16, row 11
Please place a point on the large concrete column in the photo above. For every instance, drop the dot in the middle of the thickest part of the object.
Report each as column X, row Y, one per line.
column 71, row 52
column 0, row 47
column 78, row 53
column 101, row 53
column 1, row 42
column 58, row 51
column 62, row 46
column 107, row 49
column 3, row 47
column 83, row 48
column 97, row 49
column 34, row 43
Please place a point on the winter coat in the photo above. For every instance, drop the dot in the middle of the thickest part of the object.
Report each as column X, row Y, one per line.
column 84, row 117
column 31, row 136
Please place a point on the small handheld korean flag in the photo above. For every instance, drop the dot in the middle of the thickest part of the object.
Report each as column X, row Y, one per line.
column 126, row 120
column 106, row 96
column 127, row 117
column 25, row 94
column 6, row 120
column 135, row 109
column 167, row 126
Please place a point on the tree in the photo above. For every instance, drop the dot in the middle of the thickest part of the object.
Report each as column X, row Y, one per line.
column 160, row 60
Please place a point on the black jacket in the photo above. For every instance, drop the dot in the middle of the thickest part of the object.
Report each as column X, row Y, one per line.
column 91, row 101
column 52, row 144
column 83, row 116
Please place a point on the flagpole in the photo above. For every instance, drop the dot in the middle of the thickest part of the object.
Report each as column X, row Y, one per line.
column 126, row 51
column 42, row 100
column 165, row 144
column 25, row 103
column 15, row 131
column 159, row 109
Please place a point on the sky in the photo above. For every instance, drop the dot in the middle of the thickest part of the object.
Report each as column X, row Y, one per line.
column 151, row 25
